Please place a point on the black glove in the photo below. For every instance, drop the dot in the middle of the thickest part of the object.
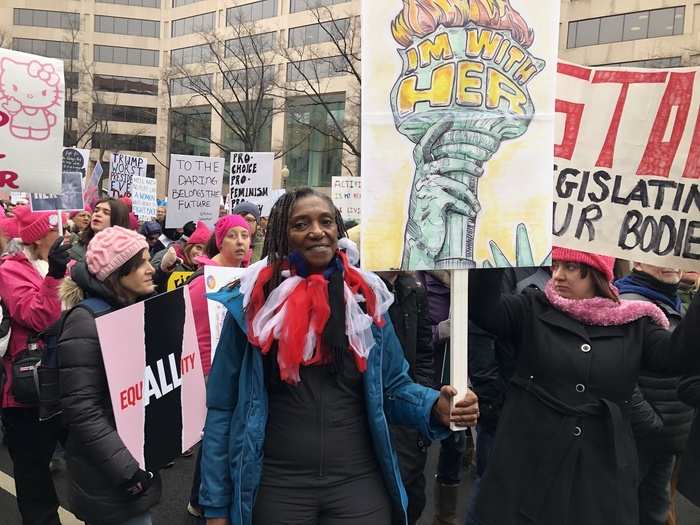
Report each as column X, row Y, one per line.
column 58, row 259
column 139, row 483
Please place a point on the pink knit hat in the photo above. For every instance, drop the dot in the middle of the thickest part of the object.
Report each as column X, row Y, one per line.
column 200, row 235
column 34, row 225
column 9, row 227
column 111, row 248
column 225, row 223
column 602, row 263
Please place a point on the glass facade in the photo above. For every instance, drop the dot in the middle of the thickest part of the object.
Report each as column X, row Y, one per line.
column 251, row 12
column 126, row 55
column 47, row 48
column 132, row 85
column 302, row 5
column 316, row 68
column 138, row 3
column 250, row 45
column 194, row 24
column 71, row 109
column 190, row 130
column 137, row 114
column 191, row 55
column 630, row 26
column 180, row 3
column 190, row 85
column 318, row 33
column 117, row 142
column 317, row 152
column 232, row 142
column 654, row 63
column 39, row 18
column 127, row 26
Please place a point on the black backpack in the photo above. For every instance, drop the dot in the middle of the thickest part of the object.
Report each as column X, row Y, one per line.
column 35, row 370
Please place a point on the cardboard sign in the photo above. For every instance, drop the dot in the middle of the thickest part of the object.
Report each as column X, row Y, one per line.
column 32, row 99
column 460, row 96
column 122, row 169
column 194, row 190
column 627, row 170
column 143, row 197
column 155, row 377
column 178, row 279
column 250, row 178
column 74, row 163
column 346, row 193
column 215, row 278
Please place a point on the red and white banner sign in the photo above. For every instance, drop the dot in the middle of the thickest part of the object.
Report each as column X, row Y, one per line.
column 627, row 163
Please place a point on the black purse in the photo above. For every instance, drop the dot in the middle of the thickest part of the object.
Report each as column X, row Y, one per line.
column 24, row 372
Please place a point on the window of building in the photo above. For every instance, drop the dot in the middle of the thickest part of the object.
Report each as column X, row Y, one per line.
column 191, row 85
column 38, row 18
column 191, row 55
column 139, row 3
column 131, row 85
column 126, row 55
column 251, row 12
column 47, row 48
column 117, row 113
column 654, row 63
column 119, row 142
column 180, row 3
column 72, row 79
column 231, row 142
column 250, row 77
column 71, row 109
column 302, row 5
column 335, row 66
column 318, row 33
column 70, row 138
column 250, row 45
column 317, row 152
column 190, row 130
column 194, row 24
column 630, row 26
column 127, row 26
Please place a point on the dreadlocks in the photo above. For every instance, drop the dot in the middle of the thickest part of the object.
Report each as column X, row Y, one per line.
column 276, row 246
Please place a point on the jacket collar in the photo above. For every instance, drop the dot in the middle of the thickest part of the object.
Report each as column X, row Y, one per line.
column 232, row 299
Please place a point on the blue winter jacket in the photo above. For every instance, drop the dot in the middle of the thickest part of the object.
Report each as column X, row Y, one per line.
column 234, row 432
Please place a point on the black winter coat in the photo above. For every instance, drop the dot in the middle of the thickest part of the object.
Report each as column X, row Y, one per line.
column 564, row 451
column 689, row 475
column 98, row 462
column 410, row 317
column 660, row 394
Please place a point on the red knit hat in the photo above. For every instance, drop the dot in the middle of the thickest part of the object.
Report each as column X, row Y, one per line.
column 9, row 227
column 34, row 225
column 602, row 263
column 200, row 235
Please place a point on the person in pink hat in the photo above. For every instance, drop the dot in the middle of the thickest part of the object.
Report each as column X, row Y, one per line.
column 8, row 230
column 29, row 283
column 186, row 260
column 564, row 449
column 107, row 485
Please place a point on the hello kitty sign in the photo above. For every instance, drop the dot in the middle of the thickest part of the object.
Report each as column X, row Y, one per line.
column 32, row 96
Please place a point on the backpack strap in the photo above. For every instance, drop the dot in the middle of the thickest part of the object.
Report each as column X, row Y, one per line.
column 95, row 306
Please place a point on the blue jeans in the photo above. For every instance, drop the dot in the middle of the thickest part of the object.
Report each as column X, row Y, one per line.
column 485, row 440
column 452, row 449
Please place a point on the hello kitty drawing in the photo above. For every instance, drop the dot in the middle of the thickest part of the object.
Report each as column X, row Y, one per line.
column 28, row 92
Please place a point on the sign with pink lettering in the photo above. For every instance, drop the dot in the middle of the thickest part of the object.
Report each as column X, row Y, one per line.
column 32, row 97
column 155, row 377
column 627, row 163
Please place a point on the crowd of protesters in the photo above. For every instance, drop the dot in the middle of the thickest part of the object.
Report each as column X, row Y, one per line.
column 329, row 385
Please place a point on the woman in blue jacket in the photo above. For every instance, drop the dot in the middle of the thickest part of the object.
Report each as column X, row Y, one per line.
column 306, row 376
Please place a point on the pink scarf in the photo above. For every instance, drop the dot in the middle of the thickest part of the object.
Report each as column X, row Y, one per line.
column 599, row 311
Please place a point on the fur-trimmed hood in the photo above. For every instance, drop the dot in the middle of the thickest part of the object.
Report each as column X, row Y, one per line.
column 70, row 293
column 82, row 284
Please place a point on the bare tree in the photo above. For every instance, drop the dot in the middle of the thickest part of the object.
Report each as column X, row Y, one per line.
column 312, row 68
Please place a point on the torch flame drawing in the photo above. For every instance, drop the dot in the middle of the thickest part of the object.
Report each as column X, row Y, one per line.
column 462, row 91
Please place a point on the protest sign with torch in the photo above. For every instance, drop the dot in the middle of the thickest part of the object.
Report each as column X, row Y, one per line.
column 463, row 90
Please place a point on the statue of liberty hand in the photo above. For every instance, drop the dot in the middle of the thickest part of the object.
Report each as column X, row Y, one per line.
column 523, row 252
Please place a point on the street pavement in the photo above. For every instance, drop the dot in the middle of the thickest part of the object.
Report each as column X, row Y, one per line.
column 176, row 489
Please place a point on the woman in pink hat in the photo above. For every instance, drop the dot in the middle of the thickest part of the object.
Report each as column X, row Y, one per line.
column 170, row 262
column 29, row 282
column 107, row 485
column 564, row 450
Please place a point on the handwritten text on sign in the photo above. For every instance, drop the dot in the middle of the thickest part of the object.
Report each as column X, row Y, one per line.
column 143, row 196
column 346, row 193
column 250, row 177
column 122, row 169
column 628, row 163
column 194, row 190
